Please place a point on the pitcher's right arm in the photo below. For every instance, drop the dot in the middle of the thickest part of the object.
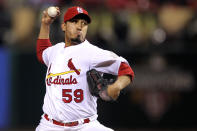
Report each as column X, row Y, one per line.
column 43, row 41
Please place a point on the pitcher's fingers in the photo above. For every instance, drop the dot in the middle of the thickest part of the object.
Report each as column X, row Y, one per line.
column 58, row 11
column 45, row 13
column 57, row 8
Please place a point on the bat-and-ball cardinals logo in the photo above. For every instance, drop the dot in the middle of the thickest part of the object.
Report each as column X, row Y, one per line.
column 79, row 10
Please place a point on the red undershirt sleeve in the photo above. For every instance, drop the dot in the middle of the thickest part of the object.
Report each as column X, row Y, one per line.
column 125, row 69
column 42, row 44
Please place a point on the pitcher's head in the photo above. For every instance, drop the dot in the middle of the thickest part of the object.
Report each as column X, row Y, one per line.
column 75, row 25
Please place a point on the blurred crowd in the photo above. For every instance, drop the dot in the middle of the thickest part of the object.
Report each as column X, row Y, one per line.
column 120, row 25
column 151, row 33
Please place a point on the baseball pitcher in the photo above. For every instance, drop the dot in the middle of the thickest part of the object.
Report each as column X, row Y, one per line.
column 74, row 79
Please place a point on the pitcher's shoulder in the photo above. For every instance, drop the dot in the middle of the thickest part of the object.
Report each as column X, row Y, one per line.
column 91, row 46
column 58, row 45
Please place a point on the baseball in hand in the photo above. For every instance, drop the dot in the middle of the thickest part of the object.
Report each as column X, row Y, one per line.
column 52, row 11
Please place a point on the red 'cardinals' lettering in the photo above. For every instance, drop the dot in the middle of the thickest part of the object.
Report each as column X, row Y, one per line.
column 61, row 81
column 72, row 67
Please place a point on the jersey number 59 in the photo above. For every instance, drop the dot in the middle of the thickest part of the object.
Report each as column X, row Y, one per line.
column 67, row 96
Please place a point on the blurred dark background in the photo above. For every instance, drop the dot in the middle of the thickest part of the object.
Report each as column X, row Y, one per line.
column 157, row 37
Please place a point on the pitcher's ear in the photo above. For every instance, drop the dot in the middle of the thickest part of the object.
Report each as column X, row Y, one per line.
column 63, row 26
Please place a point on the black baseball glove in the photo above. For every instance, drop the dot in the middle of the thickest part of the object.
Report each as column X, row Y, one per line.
column 98, row 85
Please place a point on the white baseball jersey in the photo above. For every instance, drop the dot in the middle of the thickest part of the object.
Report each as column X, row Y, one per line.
column 67, row 95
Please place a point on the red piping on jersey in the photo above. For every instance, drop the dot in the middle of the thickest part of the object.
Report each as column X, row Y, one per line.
column 42, row 44
column 125, row 69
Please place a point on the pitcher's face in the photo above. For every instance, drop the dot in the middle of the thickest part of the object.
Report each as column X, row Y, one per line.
column 75, row 30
